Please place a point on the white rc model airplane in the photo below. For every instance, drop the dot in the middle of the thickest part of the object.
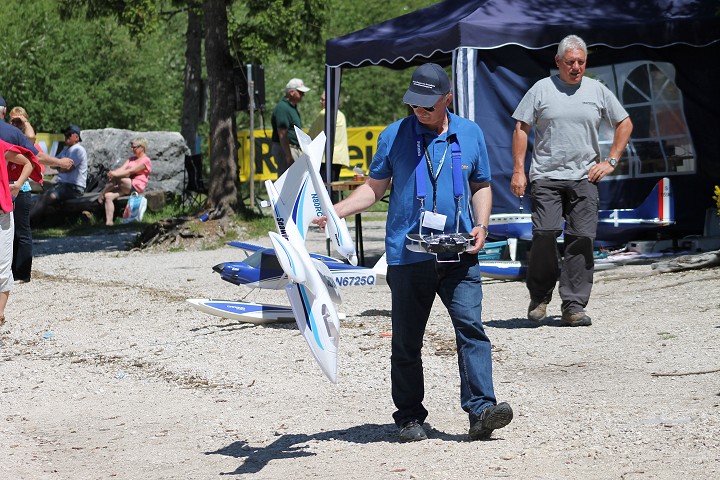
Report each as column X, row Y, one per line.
column 312, row 289
column 298, row 197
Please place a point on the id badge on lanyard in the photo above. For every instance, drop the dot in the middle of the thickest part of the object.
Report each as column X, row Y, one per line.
column 433, row 219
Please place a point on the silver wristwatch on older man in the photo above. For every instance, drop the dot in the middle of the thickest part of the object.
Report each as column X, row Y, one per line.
column 612, row 161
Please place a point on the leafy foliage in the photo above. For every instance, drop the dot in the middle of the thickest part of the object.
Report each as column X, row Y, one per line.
column 139, row 16
column 260, row 27
column 120, row 63
column 370, row 95
column 89, row 72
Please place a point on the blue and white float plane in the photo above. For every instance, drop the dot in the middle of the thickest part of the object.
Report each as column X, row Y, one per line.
column 263, row 270
column 296, row 198
column 615, row 227
column 312, row 290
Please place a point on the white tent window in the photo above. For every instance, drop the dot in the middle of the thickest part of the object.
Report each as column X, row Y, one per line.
column 660, row 143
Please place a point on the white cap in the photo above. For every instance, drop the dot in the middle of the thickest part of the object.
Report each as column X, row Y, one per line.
column 296, row 84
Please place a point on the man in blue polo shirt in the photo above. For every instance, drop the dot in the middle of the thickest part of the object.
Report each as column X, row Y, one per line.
column 430, row 184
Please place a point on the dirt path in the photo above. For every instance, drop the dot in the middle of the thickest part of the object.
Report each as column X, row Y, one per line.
column 108, row 373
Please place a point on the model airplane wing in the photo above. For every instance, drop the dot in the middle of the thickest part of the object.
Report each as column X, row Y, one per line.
column 318, row 322
column 247, row 247
column 328, row 280
column 311, row 303
column 262, row 270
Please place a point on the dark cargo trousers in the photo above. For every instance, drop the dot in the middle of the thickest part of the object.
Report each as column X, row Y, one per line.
column 574, row 202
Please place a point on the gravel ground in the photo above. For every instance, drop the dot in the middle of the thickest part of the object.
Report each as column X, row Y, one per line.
column 108, row 373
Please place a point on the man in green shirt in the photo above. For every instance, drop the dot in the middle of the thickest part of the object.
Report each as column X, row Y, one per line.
column 285, row 147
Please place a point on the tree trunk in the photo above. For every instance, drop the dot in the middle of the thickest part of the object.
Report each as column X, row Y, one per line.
column 193, row 72
column 222, row 194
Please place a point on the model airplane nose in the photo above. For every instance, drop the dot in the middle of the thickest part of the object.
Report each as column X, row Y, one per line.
column 219, row 267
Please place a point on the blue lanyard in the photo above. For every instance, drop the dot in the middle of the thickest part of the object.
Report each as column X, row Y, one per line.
column 420, row 184
column 433, row 176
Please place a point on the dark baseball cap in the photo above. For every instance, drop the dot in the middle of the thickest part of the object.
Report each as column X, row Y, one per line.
column 72, row 129
column 429, row 82
column 2, row 102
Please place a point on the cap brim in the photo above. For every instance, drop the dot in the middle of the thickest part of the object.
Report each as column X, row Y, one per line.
column 413, row 98
column 303, row 89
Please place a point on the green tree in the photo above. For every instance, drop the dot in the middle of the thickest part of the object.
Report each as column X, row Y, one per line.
column 91, row 73
column 257, row 27
column 223, row 188
column 136, row 64
column 369, row 95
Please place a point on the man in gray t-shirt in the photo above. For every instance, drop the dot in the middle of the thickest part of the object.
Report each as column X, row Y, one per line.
column 566, row 111
column 70, row 182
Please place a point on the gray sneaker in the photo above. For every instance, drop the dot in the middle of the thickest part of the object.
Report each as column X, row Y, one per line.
column 577, row 319
column 492, row 418
column 412, row 431
column 537, row 311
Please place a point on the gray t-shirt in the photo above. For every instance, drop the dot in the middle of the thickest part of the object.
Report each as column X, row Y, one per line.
column 78, row 175
column 567, row 123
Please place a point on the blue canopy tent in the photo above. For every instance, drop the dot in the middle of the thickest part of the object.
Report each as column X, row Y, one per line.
column 659, row 56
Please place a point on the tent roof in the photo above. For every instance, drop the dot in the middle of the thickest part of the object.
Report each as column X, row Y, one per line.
column 434, row 32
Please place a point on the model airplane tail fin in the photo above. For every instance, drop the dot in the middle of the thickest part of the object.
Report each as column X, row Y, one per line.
column 659, row 205
column 380, row 267
column 314, row 149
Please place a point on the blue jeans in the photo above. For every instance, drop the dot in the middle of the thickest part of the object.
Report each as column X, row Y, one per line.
column 413, row 290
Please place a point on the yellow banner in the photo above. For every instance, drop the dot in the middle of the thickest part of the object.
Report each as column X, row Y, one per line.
column 362, row 142
column 50, row 143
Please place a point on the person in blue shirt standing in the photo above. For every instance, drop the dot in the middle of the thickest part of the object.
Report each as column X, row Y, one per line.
column 440, row 174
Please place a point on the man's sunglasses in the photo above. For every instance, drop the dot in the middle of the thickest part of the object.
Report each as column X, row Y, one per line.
column 427, row 109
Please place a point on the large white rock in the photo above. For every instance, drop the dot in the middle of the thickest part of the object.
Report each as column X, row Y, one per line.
column 167, row 150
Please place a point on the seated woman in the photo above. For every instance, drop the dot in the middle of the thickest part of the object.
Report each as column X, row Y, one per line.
column 131, row 176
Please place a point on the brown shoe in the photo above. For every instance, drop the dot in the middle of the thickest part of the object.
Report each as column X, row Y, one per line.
column 537, row 311
column 577, row 319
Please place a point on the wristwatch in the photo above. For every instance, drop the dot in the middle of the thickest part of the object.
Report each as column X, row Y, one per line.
column 612, row 161
column 484, row 228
